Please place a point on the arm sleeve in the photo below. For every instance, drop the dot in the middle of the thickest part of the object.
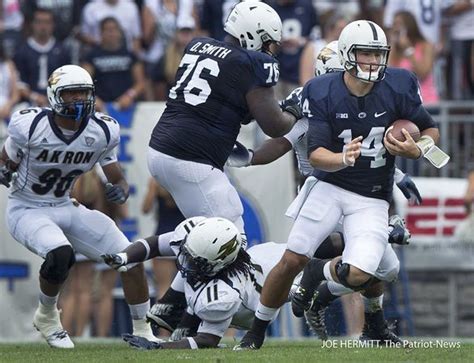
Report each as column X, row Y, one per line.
column 298, row 131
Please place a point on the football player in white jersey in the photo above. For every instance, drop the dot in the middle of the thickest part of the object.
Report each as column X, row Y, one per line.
column 47, row 149
column 223, row 281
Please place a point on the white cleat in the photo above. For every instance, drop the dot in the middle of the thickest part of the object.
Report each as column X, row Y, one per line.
column 50, row 327
column 142, row 329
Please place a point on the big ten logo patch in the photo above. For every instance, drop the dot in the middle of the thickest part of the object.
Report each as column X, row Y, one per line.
column 436, row 217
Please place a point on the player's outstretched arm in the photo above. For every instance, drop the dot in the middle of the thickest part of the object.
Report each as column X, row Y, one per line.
column 271, row 150
column 117, row 189
column 265, row 109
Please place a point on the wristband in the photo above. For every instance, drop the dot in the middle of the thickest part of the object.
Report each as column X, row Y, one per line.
column 424, row 144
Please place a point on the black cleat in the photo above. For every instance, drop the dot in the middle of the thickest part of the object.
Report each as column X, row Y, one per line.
column 376, row 328
column 316, row 320
column 166, row 316
column 301, row 301
column 250, row 341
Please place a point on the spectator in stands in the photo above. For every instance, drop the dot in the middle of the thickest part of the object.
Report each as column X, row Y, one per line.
column 38, row 57
column 159, row 27
column 298, row 19
column 168, row 217
column 410, row 50
column 118, row 75
column 212, row 15
column 11, row 22
column 9, row 93
column 124, row 11
column 462, row 48
column 67, row 15
column 331, row 30
column 164, row 75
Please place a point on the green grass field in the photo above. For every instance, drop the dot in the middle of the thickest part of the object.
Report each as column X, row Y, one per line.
column 273, row 351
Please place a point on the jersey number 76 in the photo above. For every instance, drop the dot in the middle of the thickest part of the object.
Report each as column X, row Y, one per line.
column 195, row 89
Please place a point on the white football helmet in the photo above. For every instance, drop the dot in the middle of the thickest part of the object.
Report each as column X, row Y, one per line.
column 327, row 60
column 209, row 247
column 363, row 35
column 70, row 77
column 253, row 23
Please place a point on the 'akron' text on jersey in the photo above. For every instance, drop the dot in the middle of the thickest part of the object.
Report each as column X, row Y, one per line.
column 68, row 157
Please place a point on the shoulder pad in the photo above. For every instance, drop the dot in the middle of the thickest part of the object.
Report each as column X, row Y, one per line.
column 23, row 122
column 217, row 308
column 110, row 126
column 400, row 80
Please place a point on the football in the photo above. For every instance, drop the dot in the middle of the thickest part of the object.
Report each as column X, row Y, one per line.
column 396, row 130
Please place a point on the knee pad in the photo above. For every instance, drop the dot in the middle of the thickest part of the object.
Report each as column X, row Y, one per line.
column 56, row 265
column 342, row 272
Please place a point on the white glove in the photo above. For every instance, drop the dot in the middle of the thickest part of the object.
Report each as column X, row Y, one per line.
column 240, row 156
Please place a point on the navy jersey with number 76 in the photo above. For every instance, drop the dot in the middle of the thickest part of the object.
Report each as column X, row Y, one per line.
column 207, row 103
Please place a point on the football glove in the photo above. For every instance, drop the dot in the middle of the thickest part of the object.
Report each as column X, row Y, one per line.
column 409, row 189
column 116, row 261
column 5, row 176
column 140, row 342
column 291, row 104
column 399, row 233
column 115, row 193
column 240, row 156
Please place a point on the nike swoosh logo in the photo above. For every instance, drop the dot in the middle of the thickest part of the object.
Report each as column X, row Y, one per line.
column 380, row 114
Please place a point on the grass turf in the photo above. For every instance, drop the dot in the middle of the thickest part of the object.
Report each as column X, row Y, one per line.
column 273, row 351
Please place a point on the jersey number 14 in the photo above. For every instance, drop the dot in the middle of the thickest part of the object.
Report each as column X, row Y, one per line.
column 372, row 145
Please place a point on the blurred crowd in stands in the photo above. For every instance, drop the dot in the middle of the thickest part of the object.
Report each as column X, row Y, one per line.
column 133, row 48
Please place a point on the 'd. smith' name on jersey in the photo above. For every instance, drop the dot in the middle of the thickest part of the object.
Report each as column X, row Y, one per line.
column 207, row 104
column 336, row 117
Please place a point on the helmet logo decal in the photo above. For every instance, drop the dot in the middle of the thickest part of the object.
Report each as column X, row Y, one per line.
column 55, row 77
column 227, row 248
column 325, row 55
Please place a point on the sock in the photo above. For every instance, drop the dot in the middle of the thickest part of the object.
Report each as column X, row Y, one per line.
column 142, row 328
column 312, row 274
column 172, row 296
column 47, row 303
column 265, row 313
column 372, row 304
column 138, row 311
column 324, row 296
column 327, row 272
column 337, row 289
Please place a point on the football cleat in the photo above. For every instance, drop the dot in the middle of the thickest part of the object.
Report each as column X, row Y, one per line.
column 250, row 341
column 139, row 342
column 376, row 328
column 49, row 325
column 399, row 233
column 301, row 301
column 116, row 261
column 315, row 318
column 166, row 316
